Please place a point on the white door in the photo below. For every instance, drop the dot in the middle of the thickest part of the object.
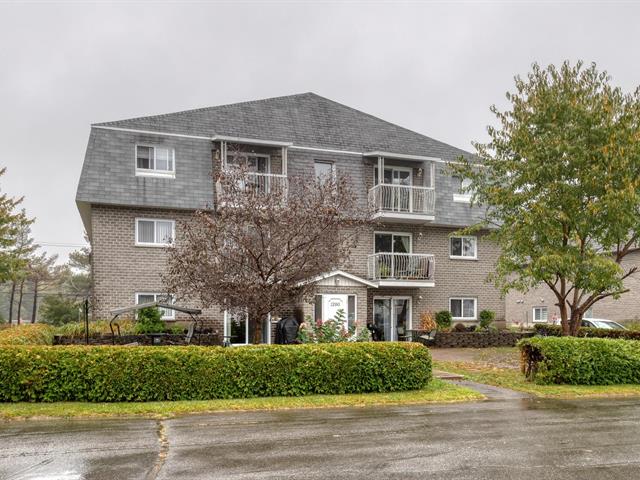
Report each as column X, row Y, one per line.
column 333, row 303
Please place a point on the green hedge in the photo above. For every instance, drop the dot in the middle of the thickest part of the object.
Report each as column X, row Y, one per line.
column 37, row 334
column 580, row 361
column 111, row 374
column 587, row 332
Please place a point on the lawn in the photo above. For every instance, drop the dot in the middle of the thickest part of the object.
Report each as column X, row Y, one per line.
column 500, row 367
column 437, row 392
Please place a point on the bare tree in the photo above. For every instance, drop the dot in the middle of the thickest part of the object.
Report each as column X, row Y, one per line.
column 256, row 252
column 41, row 274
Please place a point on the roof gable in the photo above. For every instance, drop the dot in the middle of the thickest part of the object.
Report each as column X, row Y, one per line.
column 305, row 119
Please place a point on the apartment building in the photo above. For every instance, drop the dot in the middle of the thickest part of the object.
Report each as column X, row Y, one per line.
column 142, row 176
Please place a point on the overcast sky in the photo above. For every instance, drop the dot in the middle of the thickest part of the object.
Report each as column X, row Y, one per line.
column 434, row 67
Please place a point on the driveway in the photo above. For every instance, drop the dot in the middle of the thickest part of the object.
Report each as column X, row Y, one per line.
column 513, row 438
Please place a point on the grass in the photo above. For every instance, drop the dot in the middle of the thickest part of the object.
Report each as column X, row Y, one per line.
column 437, row 392
column 498, row 367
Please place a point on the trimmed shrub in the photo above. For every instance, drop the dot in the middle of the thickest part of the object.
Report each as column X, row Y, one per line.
column 112, row 374
column 580, row 361
column 547, row 330
column 486, row 318
column 37, row 334
column 149, row 321
column 444, row 319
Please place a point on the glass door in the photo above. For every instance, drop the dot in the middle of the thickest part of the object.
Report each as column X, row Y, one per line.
column 402, row 197
column 392, row 318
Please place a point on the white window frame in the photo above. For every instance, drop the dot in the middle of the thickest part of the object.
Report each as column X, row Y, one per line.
column 153, row 172
column 462, row 197
column 463, row 257
column 392, row 168
column 462, row 299
column 533, row 315
column 326, row 162
column 226, row 330
column 155, row 232
column 171, row 315
column 399, row 234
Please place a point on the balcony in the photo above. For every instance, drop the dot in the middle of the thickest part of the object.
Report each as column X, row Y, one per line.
column 402, row 203
column 401, row 269
column 253, row 183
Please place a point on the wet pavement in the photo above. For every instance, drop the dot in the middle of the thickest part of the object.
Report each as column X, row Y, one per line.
column 505, row 438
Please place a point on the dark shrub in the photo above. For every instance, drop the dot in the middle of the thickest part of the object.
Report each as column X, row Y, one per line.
column 486, row 318
column 443, row 319
column 149, row 321
column 547, row 330
column 116, row 374
column 59, row 310
column 460, row 327
column 580, row 361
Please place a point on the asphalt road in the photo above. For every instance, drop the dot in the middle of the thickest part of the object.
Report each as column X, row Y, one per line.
column 509, row 438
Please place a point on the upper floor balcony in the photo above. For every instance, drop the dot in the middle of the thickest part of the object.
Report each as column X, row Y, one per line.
column 253, row 167
column 403, row 190
column 401, row 269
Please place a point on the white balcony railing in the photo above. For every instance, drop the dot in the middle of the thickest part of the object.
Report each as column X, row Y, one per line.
column 402, row 199
column 259, row 183
column 401, row 266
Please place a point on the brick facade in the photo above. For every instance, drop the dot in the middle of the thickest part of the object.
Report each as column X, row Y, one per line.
column 122, row 269
column 519, row 306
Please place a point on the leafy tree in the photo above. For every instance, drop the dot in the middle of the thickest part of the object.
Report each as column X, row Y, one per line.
column 561, row 184
column 41, row 273
column 11, row 224
column 18, row 259
column 261, row 247
column 59, row 309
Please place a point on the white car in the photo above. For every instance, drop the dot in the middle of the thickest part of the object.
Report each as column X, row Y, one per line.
column 602, row 323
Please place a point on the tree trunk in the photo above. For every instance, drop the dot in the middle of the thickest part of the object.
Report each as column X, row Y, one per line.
column 20, row 299
column 34, row 310
column 574, row 325
column 564, row 319
column 12, row 296
column 257, row 328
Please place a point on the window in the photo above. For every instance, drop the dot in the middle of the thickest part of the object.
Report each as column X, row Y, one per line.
column 158, row 161
column 326, row 306
column 155, row 233
column 252, row 162
column 323, row 170
column 463, row 247
column 158, row 297
column 464, row 194
column 392, row 242
column 237, row 330
column 463, row 308
column 540, row 314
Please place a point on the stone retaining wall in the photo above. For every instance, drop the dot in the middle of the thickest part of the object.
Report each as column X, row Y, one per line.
column 478, row 339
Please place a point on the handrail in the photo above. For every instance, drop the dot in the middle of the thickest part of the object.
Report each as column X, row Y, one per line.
column 387, row 197
column 401, row 266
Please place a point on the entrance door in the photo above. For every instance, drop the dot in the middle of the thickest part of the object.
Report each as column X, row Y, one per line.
column 392, row 317
column 333, row 303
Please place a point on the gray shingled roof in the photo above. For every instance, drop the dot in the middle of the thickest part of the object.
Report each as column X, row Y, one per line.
column 305, row 119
